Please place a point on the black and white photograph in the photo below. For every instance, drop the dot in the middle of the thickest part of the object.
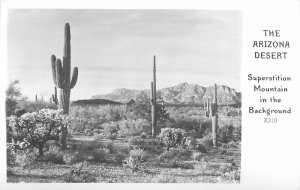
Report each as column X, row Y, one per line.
column 150, row 95
column 123, row 96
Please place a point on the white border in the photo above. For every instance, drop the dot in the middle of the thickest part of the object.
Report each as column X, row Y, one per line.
column 263, row 11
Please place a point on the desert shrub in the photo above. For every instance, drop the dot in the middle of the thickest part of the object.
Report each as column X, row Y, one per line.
column 141, row 111
column 189, row 142
column 237, row 133
column 206, row 142
column 174, row 155
column 143, row 135
column 100, row 154
column 110, row 128
column 110, row 146
column 112, row 136
column 38, row 127
column 93, row 117
column 37, row 106
column 89, row 145
column 70, row 157
column 164, row 177
column 133, row 127
column 232, row 176
column 197, row 156
column 25, row 158
column 10, row 155
column 136, row 111
column 119, row 157
column 172, row 137
column 54, row 155
column 200, row 148
column 77, row 126
column 132, row 163
column 225, row 134
column 78, row 174
column 151, row 145
column 138, row 154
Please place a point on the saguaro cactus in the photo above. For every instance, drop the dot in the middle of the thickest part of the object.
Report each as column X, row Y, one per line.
column 207, row 108
column 54, row 96
column 153, row 100
column 62, row 78
column 214, row 116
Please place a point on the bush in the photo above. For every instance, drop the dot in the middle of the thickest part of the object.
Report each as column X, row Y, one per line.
column 138, row 154
column 71, row 158
column 25, row 158
column 164, row 177
column 237, row 133
column 151, row 145
column 111, row 128
column 133, row 127
column 112, row 136
column 54, row 155
column 11, row 156
column 230, row 177
column 172, row 137
column 110, row 146
column 78, row 174
column 174, row 155
column 132, row 163
column 205, row 143
column 201, row 148
column 119, row 157
column 197, row 156
column 100, row 154
column 37, row 106
column 143, row 135
column 225, row 134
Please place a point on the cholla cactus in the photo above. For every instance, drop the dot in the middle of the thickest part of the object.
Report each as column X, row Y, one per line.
column 172, row 137
column 37, row 128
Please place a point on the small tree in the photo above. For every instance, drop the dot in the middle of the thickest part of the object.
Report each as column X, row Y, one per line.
column 37, row 128
column 13, row 93
column 111, row 128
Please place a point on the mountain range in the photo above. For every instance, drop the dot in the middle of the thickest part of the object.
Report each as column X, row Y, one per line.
column 183, row 93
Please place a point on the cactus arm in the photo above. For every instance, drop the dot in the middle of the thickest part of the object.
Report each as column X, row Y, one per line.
column 59, row 74
column 74, row 77
column 67, row 43
column 53, row 60
column 67, row 54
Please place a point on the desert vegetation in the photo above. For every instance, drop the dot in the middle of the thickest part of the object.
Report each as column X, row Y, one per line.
column 140, row 142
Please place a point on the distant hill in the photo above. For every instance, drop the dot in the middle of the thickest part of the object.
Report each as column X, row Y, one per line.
column 95, row 102
column 183, row 93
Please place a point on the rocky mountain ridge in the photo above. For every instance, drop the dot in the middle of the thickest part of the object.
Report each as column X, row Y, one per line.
column 183, row 93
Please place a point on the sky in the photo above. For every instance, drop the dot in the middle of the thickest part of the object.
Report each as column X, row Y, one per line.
column 115, row 48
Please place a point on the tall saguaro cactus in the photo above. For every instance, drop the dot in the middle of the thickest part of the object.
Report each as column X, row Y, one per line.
column 153, row 100
column 214, row 116
column 62, row 78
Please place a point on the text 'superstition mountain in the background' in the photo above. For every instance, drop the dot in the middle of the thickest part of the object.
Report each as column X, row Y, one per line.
column 183, row 93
